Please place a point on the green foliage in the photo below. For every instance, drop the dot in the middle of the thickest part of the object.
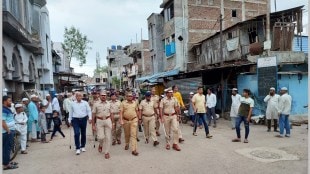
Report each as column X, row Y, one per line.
column 101, row 69
column 115, row 82
column 76, row 45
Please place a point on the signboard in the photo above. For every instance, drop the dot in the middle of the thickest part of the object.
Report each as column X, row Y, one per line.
column 267, row 74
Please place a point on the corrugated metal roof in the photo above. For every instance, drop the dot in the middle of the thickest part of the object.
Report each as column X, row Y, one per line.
column 300, row 43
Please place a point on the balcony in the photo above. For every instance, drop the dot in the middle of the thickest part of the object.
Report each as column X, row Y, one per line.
column 40, row 3
column 14, row 29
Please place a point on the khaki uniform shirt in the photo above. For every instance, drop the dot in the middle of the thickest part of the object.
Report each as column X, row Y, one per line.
column 168, row 105
column 102, row 109
column 200, row 103
column 92, row 103
column 115, row 107
column 155, row 99
column 129, row 109
column 147, row 108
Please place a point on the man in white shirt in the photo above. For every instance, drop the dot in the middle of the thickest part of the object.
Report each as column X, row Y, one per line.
column 235, row 103
column 47, row 102
column 80, row 113
column 56, row 106
column 211, row 103
column 67, row 106
column 272, row 100
column 285, row 106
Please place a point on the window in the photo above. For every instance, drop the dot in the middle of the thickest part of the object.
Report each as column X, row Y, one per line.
column 252, row 35
column 230, row 35
column 198, row 2
column 233, row 13
column 170, row 45
column 210, row 2
column 169, row 12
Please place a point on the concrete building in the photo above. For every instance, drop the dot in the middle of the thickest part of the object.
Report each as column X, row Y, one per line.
column 64, row 65
column 155, row 29
column 243, row 45
column 187, row 22
column 27, row 55
column 141, row 63
column 116, row 59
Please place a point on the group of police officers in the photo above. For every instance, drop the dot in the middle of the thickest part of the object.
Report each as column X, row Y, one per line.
column 110, row 116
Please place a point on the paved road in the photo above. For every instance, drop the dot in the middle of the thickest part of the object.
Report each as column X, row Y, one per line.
column 198, row 155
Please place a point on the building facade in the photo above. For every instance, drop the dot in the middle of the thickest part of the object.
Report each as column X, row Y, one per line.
column 27, row 55
column 187, row 22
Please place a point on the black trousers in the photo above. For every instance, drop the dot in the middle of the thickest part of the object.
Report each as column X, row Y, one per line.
column 57, row 128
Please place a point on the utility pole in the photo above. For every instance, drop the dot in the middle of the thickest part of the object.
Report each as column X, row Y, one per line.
column 243, row 10
column 275, row 5
column 222, row 58
column 268, row 26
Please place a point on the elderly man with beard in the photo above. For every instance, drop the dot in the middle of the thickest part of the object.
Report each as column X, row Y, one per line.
column 272, row 100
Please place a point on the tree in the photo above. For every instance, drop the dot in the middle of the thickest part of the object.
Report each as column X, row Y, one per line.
column 115, row 82
column 76, row 45
column 101, row 69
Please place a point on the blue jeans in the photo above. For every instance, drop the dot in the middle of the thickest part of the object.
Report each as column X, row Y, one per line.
column 199, row 120
column 211, row 115
column 79, row 127
column 239, row 120
column 7, row 142
column 201, row 116
column 284, row 123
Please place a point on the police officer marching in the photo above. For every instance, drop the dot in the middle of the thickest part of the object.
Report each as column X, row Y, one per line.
column 117, row 127
column 169, row 111
column 103, row 116
column 147, row 111
column 129, row 120
column 155, row 99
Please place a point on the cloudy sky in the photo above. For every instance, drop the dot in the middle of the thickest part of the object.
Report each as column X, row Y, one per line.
column 112, row 22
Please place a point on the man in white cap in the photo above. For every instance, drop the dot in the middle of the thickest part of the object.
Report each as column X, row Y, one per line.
column 285, row 105
column 235, row 103
column 272, row 100
column 33, row 118
column 25, row 104
column 21, row 126
column 47, row 102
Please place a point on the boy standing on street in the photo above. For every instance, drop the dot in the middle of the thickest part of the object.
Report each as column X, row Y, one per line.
column 43, row 124
column 57, row 123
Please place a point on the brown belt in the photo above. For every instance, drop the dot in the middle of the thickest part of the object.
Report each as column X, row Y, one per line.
column 170, row 114
column 148, row 115
column 129, row 119
column 102, row 118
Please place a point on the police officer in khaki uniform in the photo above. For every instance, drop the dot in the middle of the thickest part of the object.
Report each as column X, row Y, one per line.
column 95, row 98
column 147, row 111
column 169, row 111
column 117, row 128
column 155, row 99
column 129, row 120
column 102, row 113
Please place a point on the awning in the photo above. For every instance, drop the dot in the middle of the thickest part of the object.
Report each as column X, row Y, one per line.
column 153, row 78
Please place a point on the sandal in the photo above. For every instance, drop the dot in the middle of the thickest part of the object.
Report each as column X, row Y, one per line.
column 195, row 134
column 107, row 156
column 246, row 141
column 9, row 167
column 14, row 163
column 24, row 152
column 100, row 149
column 168, row 147
column 236, row 140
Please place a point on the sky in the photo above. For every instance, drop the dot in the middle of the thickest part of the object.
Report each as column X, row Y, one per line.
column 114, row 22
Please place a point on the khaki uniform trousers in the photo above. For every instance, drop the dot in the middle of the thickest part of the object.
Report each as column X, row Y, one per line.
column 149, row 127
column 171, row 124
column 157, row 122
column 104, row 131
column 130, row 131
column 117, row 129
